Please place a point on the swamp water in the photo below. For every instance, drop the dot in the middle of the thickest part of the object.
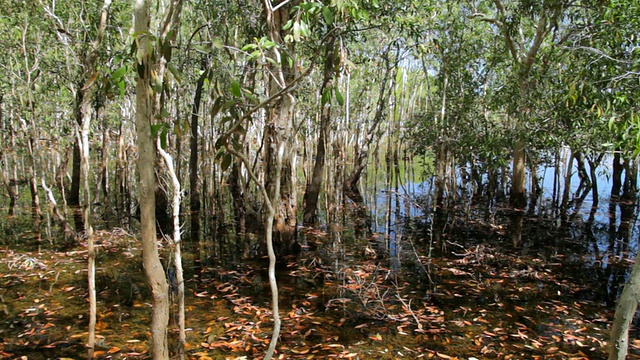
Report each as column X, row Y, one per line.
column 461, row 288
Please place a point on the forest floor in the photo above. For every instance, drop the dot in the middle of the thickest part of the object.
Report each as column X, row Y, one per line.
column 484, row 300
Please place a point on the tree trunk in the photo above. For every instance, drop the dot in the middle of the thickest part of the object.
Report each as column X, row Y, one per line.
column 278, row 192
column 277, row 142
column 73, row 198
column 83, row 140
column 239, row 206
column 103, row 188
column 313, row 187
column 194, row 191
column 593, row 165
column 616, row 178
column 567, row 186
column 4, row 163
column 518, row 196
column 147, row 180
column 177, row 256
column 625, row 311
column 350, row 185
column 630, row 186
column 69, row 233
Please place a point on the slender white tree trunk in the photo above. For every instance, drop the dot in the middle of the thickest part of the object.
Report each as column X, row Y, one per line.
column 177, row 257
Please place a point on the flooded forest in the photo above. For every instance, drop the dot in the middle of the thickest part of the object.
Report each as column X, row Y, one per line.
column 292, row 179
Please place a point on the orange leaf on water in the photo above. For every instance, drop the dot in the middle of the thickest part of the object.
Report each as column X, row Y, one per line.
column 443, row 356
column 300, row 352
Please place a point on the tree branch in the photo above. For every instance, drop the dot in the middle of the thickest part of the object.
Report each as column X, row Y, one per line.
column 541, row 33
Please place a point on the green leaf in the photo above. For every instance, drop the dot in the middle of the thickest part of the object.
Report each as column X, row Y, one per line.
column 304, row 29
column 328, row 15
column 226, row 161
column 271, row 61
column 175, row 73
column 229, row 104
column 249, row 47
column 339, row 97
column 163, row 136
column 220, row 143
column 255, row 54
column 202, row 48
column 118, row 74
column 121, row 86
column 217, row 42
column 326, row 97
column 166, row 50
column 217, row 105
column 155, row 129
column 235, row 88
column 240, row 130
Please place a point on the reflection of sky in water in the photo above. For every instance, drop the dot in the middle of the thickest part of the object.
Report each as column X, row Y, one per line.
column 404, row 199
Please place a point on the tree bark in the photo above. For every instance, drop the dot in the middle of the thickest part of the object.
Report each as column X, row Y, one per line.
column 194, row 191
column 523, row 61
column 616, row 177
column 73, row 198
column 146, row 168
column 4, row 164
column 567, row 185
column 312, row 191
column 237, row 193
column 518, row 196
column 625, row 311
column 630, row 185
column 279, row 167
column 177, row 255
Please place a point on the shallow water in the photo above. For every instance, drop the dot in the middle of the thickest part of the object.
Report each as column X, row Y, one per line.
column 476, row 295
column 435, row 284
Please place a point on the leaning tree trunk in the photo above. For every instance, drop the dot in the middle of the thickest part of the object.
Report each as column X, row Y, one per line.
column 625, row 311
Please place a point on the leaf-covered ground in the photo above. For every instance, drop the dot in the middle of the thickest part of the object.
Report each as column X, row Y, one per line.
column 481, row 301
